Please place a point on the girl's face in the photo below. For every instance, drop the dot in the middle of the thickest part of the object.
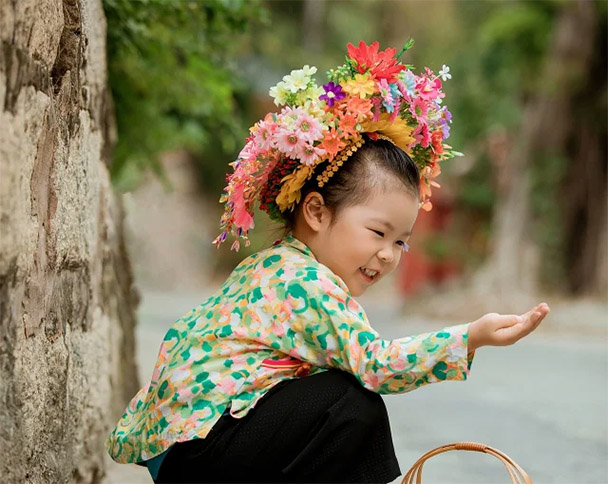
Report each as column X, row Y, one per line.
column 369, row 236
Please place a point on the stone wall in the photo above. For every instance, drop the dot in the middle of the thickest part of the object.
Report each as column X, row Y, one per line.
column 67, row 300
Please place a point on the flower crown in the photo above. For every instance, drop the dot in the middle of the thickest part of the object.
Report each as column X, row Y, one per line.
column 373, row 94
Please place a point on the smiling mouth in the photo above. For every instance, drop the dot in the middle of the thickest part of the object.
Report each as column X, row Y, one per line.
column 366, row 277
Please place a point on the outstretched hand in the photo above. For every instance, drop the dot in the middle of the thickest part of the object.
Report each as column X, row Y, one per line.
column 495, row 329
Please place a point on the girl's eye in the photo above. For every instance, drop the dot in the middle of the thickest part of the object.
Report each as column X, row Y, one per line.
column 403, row 244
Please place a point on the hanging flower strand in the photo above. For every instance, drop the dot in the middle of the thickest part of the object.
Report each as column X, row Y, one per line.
column 372, row 93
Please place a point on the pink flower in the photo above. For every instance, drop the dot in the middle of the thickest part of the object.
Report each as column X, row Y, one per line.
column 263, row 136
column 248, row 151
column 428, row 89
column 242, row 218
column 310, row 154
column 421, row 135
column 395, row 112
column 377, row 102
column 290, row 142
column 419, row 109
column 309, row 128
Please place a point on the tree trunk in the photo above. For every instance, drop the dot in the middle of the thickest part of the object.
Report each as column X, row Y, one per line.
column 584, row 189
column 550, row 120
column 67, row 300
column 313, row 25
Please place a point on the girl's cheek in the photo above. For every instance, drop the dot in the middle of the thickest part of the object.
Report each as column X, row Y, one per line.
column 396, row 260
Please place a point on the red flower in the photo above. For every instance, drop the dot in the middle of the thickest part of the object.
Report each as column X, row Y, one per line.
column 382, row 65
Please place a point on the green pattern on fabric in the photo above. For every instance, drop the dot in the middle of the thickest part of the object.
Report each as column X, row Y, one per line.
column 214, row 355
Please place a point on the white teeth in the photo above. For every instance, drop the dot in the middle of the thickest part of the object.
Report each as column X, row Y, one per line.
column 369, row 273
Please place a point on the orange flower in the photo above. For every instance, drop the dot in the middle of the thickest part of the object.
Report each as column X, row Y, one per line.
column 436, row 141
column 347, row 125
column 425, row 192
column 332, row 143
column 361, row 107
column 432, row 171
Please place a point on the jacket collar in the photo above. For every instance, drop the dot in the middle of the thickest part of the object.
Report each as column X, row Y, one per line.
column 290, row 241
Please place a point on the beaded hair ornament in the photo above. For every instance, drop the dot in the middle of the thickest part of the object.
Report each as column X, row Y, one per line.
column 374, row 94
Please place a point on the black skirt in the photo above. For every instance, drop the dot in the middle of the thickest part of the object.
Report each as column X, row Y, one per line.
column 321, row 428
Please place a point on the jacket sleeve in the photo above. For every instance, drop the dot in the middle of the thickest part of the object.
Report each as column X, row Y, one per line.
column 315, row 319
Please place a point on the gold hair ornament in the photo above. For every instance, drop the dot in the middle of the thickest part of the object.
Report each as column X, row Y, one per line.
column 372, row 94
column 338, row 161
column 381, row 136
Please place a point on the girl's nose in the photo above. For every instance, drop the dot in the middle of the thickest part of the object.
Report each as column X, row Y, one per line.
column 385, row 255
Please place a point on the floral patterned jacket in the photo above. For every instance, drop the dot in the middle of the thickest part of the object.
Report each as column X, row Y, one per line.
column 280, row 314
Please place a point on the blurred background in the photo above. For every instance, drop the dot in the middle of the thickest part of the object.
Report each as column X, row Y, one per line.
column 520, row 219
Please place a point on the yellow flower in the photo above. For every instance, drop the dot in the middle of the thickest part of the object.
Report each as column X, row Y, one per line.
column 362, row 85
column 398, row 131
column 290, row 190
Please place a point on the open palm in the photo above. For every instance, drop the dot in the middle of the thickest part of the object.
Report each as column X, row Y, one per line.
column 495, row 329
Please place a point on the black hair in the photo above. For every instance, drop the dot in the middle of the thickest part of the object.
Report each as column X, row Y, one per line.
column 377, row 166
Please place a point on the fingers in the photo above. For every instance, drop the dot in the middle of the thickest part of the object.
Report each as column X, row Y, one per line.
column 513, row 327
column 539, row 312
column 534, row 317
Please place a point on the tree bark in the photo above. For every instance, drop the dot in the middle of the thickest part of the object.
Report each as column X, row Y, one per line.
column 584, row 189
column 67, row 299
column 551, row 124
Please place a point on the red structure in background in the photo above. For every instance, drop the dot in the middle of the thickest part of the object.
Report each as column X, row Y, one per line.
column 417, row 269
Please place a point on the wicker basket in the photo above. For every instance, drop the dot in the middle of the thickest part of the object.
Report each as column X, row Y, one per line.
column 514, row 470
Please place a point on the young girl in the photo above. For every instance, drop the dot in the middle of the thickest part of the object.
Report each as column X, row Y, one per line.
column 277, row 377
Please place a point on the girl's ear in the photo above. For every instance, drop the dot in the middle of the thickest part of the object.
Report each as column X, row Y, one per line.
column 315, row 212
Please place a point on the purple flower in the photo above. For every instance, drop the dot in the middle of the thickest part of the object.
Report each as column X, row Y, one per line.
column 445, row 128
column 445, row 114
column 333, row 93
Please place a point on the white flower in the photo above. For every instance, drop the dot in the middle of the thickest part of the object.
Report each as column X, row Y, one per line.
column 444, row 73
column 313, row 107
column 302, row 97
column 279, row 93
column 315, row 91
column 309, row 71
column 297, row 80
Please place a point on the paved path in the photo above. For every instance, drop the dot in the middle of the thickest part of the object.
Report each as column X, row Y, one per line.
column 543, row 401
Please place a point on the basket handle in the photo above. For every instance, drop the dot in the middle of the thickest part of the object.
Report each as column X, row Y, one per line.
column 512, row 467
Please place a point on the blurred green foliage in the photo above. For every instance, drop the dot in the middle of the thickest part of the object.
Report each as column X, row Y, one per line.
column 173, row 78
column 498, row 72
column 196, row 74
column 494, row 50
